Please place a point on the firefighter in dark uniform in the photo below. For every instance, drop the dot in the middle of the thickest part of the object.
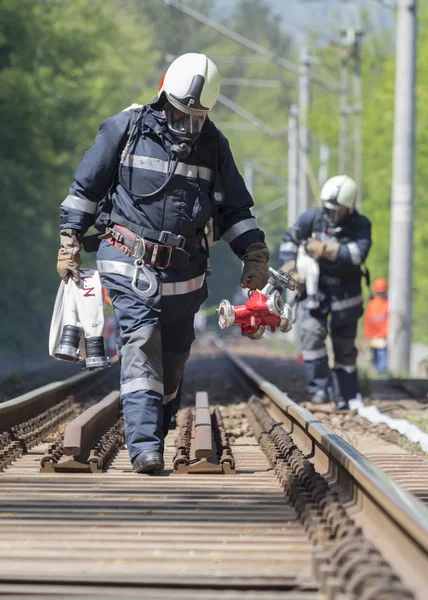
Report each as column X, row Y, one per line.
column 162, row 171
column 339, row 239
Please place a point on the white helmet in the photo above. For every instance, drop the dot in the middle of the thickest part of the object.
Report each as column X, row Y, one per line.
column 191, row 84
column 338, row 196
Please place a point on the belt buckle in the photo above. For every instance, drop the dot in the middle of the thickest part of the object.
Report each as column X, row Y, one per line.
column 182, row 241
column 139, row 248
column 154, row 254
column 164, row 235
column 166, row 265
column 170, row 249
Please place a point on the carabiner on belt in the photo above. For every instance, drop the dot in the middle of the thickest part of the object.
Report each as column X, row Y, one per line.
column 148, row 275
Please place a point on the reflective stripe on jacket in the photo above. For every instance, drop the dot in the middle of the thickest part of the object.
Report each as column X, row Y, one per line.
column 184, row 207
column 354, row 236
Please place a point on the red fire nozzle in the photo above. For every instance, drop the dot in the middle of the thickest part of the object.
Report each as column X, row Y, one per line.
column 264, row 308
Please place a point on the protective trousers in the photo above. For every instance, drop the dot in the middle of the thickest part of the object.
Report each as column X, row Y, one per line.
column 153, row 352
column 343, row 377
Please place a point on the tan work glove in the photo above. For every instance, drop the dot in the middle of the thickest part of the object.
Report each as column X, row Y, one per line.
column 69, row 256
column 318, row 249
column 290, row 268
column 256, row 260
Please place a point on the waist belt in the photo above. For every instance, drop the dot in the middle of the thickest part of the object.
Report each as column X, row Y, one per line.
column 166, row 238
column 330, row 280
column 163, row 237
column 156, row 254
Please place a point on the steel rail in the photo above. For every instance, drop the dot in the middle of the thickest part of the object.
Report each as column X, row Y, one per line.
column 400, row 506
column 278, row 526
column 29, row 405
column 203, row 428
column 81, row 433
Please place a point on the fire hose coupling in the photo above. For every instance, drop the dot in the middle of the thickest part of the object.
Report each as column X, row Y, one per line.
column 95, row 353
column 68, row 348
column 264, row 308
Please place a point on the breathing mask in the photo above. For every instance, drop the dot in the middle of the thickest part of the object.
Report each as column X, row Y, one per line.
column 183, row 126
column 335, row 214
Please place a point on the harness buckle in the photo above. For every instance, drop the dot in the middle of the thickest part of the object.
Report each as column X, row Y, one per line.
column 169, row 257
column 154, row 254
column 139, row 248
column 167, row 238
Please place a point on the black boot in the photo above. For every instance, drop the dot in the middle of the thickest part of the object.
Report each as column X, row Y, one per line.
column 148, row 461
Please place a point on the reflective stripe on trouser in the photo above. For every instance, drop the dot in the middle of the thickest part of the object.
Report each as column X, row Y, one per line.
column 153, row 356
column 344, row 374
column 313, row 332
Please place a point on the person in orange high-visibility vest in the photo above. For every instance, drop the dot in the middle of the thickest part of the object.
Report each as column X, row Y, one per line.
column 376, row 321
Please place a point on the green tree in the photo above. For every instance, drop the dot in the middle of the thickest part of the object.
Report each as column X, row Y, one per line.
column 61, row 73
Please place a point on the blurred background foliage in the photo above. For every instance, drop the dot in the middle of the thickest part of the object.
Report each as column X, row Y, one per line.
column 66, row 66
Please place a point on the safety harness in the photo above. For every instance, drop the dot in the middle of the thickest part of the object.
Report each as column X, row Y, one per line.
column 160, row 249
column 161, row 256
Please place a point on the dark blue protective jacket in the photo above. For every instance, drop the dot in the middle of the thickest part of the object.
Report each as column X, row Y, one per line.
column 340, row 280
column 183, row 208
column 354, row 236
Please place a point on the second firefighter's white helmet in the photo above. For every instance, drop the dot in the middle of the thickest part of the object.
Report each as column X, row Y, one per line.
column 191, row 84
column 339, row 191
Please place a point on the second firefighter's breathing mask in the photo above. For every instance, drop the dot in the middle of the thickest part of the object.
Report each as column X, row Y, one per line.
column 335, row 215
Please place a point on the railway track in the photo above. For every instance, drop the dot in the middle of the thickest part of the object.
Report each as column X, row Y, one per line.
column 410, row 471
column 257, row 501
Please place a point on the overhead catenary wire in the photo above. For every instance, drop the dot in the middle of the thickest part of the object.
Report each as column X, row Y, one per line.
column 247, row 43
column 261, row 83
column 271, row 207
column 390, row 4
column 238, row 126
column 270, row 175
column 239, row 110
column 275, row 133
